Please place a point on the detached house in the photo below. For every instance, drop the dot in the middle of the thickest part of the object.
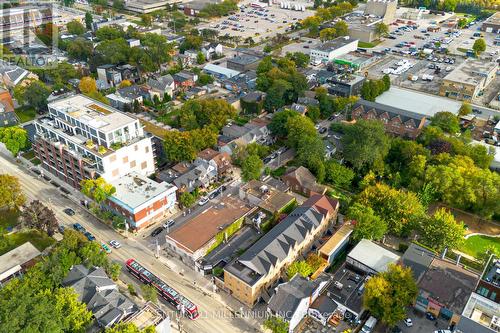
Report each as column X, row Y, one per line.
column 212, row 50
column 12, row 75
column 301, row 180
column 221, row 160
column 396, row 121
column 254, row 131
column 161, row 86
column 184, row 80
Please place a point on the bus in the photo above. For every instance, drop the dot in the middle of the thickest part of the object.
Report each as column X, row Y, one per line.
column 169, row 294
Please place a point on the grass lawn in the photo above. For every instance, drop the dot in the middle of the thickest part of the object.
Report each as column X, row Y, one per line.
column 29, row 155
column 366, row 45
column 25, row 114
column 477, row 245
column 40, row 240
column 8, row 218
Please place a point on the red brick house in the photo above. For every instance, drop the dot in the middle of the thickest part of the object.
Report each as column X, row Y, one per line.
column 396, row 121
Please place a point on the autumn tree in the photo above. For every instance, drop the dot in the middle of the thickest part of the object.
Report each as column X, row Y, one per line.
column 367, row 225
column 327, row 34
column 465, row 109
column 98, row 189
column 441, row 230
column 38, row 216
column 398, row 208
column 11, row 194
column 388, row 294
column 87, row 85
column 300, row 267
column 129, row 328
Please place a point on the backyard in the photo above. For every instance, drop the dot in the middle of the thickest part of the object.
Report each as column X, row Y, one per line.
column 25, row 114
column 477, row 245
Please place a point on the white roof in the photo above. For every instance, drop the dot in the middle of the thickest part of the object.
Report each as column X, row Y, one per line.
column 229, row 73
column 373, row 255
column 133, row 190
column 11, row 261
column 418, row 102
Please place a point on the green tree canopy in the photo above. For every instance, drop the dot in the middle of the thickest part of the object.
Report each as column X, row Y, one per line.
column 367, row 224
column 11, row 193
column 75, row 28
column 98, row 189
column 479, row 46
column 299, row 128
column 388, row 294
column 278, row 125
column 441, row 230
column 35, row 95
column 338, row 175
column 15, row 138
column 446, row 121
column 276, row 325
column 195, row 114
column 251, row 167
column 365, row 144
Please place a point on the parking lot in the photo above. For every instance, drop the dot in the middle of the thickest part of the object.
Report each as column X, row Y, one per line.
column 258, row 23
column 421, row 324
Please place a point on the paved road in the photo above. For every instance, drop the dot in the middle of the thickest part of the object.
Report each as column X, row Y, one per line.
column 209, row 304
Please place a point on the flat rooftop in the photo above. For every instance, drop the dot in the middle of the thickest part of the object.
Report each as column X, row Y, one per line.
column 198, row 231
column 372, row 255
column 345, row 288
column 333, row 242
column 92, row 113
column 493, row 19
column 134, row 190
column 449, row 284
column 417, row 102
column 471, row 71
column 11, row 261
column 244, row 59
column 333, row 44
column 358, row 21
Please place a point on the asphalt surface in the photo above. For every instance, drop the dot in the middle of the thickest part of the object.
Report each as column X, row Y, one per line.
column 215, row 313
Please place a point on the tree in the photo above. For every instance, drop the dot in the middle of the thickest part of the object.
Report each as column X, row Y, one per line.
column 88, row 20
column 80, row 49
column 129, row 328
column 327, row 34
column 313, row 113
column 75, row 28
column 388, row 294
column 446, row 121
column 35, row 95
column 365, row 144
column 299, row 267
column 341, row 28
column 479, row 46
column 200, row 58
column 14, row 138
column 277, row 95
column 398, row 208
column 465, row 109
column 114, row 271
column 197, row 114
column 251, row 167
column 381, row 29
column 37, row 216
column 367, row 224
column 11, row 194
column 278, row 125
column 149, row 293
column 387, row 82
column 299, row 58
column 338, row 175
column 118, row 4
column 299, row 128
column 186, row 199
column 98, row 189
column 191, row 43
column 441, row 231
column 276, row 325
column 109, row 33
column 87, row 85
column 115, row 51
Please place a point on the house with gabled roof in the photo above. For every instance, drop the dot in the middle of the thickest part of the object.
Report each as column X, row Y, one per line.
column 249, row 276
column 396, row 121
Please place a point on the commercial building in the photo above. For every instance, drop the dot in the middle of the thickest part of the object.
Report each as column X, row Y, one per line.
column 328, row 51
column 469, row 79
column 483, row 311
column 17, row 261
column 346, row 85
column 492, row 23
column 249, row 276
column 370, row 258
column 195, row 238
column 386, row 9
column 396, row 121
column 219, row 71
column 362, row 27
column 141, row 200
column 82, row 139
column 243, row 62
column 100, row 293
column 444, row 286
column 145, row 6
column 336, row 244
column 266, row 197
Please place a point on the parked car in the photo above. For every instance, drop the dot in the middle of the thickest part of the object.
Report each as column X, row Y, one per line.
column 105, row 248
column 89, row 236
column 69, row 211
column 168, row 224
column 322, row 130
column 442, row 331
column 78, row 227
column 61, row 229
column 408, row 322
column 115, row 244
column 430, row 316
column 203, row 201
column 157, row 231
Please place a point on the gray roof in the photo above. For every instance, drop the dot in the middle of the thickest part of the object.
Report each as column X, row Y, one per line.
column 308, row 101
column 393, row 112
column 16, row 257
column 100, row 294
column 289, row 295
column 466, row 325
column 324, row 304
column 275, row 246
column 15, row 73
column 333, row 44
column 7, row 118
column 244, row 59
column 372, row 255
column 197, row 176
column 161, row 83
column 418, row 259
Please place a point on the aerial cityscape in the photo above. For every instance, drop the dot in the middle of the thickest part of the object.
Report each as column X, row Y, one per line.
column 223, row 166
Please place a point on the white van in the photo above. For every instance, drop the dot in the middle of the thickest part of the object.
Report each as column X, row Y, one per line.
column 369, row 325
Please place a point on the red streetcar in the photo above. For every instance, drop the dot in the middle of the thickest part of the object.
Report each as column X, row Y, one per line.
column 168, row 293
